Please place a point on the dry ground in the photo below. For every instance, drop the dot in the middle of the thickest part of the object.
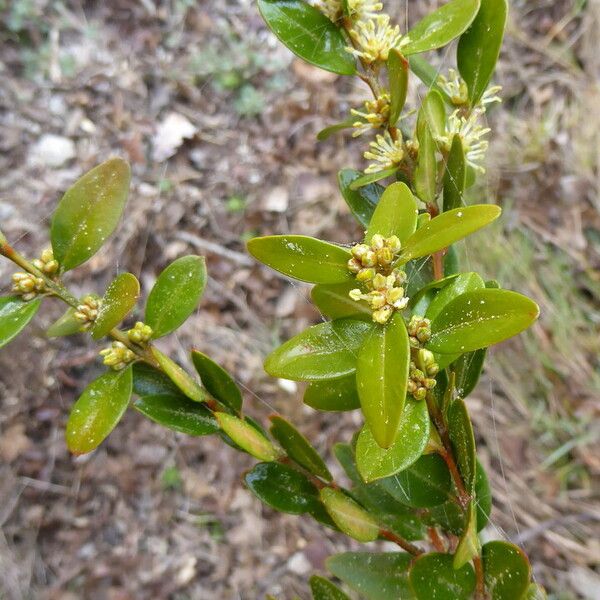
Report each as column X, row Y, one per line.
column 154, row 514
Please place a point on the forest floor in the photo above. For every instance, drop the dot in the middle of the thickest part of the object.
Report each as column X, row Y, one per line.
column 219, row 123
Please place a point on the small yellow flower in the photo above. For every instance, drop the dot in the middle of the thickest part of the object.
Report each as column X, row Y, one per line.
column 374, row 39
column 46, row 262
column 117, row 356
column 364, row 9
column 27, row 285
column 87, row 311
column 455, row 86
column 375, row 115
column 140, row 333
column 385, row 153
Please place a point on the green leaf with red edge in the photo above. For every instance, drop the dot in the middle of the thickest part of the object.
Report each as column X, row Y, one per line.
column 333, row 301
column 349, row 516
column 247, row 437
column 179, row 376
column 361, row 202
column 15, row 315
column 118, row 301
column 398, row 70
column 455, row 175
column 217, row 381
column 396, row 214
column 333, row 394
column 433, row 576
column 506, row 570
column 323, row 589
column 98, row 410
column 89, row 212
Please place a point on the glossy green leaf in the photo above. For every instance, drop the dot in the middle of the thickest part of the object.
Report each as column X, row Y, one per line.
column 426, row 169
column 374, row 462
column 324, row 351
column 323, row 589
column 396, row 214
column 66, row 324
column 433, row 576
column 447, row 228
column 432, row 286
column 467, row 370
column 483, row 496
column 428, row 74
column 118, row 301
column 381, row 378
column 148, row 381
column 179, row 377
column 449, row 516
column 479, row 47
column 424, row 484
column 247, row 437
column 460, row 429
column 327, row 132
column 178, row 413
column 463, row 283
column 298, row 448
column 455, row 176
column 15, row 316
column 175, row 294
column 372, row 178
column 333, row 394
column 98, row 410
column 433, row 112
column 398, row 70
column 468, row 546
column 441, row 26
column 374, row 575
column 217, row 381
column 362, row 202
column 309, row 34
column 479, row 319
column 333, row 301
column 350, row 517
column 506, row 570
column 89, row 212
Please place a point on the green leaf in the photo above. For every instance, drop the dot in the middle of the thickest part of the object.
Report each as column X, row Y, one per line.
column 424, row 484
column 433, row 113
column 479, row 319
column 374, row 462
column 89, row 212
column 323, row 351
column 350, row 517
column 175, row 294
column 118, row 301
column 302, row 257
column 397, row 67
column 309, row 34
column 327, row 132
column 298, row 448
column 362, row 202
column 148, row 381
column 14, row 316
column 506, row 570
column 441, row 26
column 67, row 324
column 467, row 370
column 426, row 169
column 432, row 286
column 447, row 228
column 455, row 176
column 333, row 394
column 98, row 410
column 483, row 496
column 463, row 283
column 179, row 377
column 396, row 214
column 247, row 437
column 479, row 47
column 178, row 413
column 460, row 429
column 535, row 592
column 433, row 576
column 323, row 589
column 375, row 575
column 372, row 178
column 333, row 301
column 217, row 381
column 468, row 546
column 428, row 74
column 283, row 488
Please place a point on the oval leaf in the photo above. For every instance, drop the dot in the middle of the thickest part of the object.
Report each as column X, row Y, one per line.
column 327, row 132
column 479, row 319
column 175, row 294
column 118, row 301
column 426, row 170
column 323, row 589
column 362, row 202
column 217, row 381
column 324, row 351
column 506, row 570
column 14, row 316
column 460, row 429
column 396, row 214
column 433, row 576
column 374, row 462
column 433, row 112
column 370, row 178
column 89, row 212
column 333, row 394
column 350, row 517
column 333, row 301
column 382, row 377
column 98, row 410
column 67, row 324
column 461, row 284
column 247, row 437
column 309, row 34
column 455, row 176
column 148, row 381
column 179, row 377
column 398, row 70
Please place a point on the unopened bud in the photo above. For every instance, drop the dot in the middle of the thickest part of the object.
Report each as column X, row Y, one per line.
column 377, row 242
column 384, row 256
column 354, row 266
column 383, row 315
column 369, row 259
column 140, row 333
column 393, row 243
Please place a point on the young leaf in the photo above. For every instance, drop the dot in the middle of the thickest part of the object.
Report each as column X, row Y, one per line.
column 506, row 570
column 175, row 294
column 302, row 257
column 333, row 394
column 426, row 169
column 298, row 448
column 382, row 377
column 372, row 178
column 66, row 324
column 247, row 437
column 479, row 319
column 479, row 47
column 324, row 351
column 447, row 228
column 327, row 132
column 178, row 413
column 465, row 282
column 98, row 410
column 362, row 202
column 89, row 212
column 14, row 316
column 349, row 516
column 441, row 26
column 468, row 546
column 118, row 301
column 396, row 214
column 433, row 113
column 460, row 429
column 333, row 301
column 374, row 575
column 217, row 381
column 397, row 67
column 309, row 34
column 323, row 589
column 455, row 176
column 374, row 462
column 467, row 370
column 179, row 377
column 148, row 381
column 433, row 576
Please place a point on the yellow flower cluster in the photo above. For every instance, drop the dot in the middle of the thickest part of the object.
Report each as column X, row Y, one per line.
column 375, row 115
column 87, row 311
column 421, row 375
column 117, row 356
column 140, row 333
column 455, row 86
column 46, row 263
column 385, row 152
column 419, row 331
column 27, row 285
column 374, row 38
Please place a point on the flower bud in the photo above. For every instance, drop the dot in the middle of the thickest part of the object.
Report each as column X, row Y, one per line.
column 377, row 242
column 366, row 275
column 383, row 315
column 393, row 243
